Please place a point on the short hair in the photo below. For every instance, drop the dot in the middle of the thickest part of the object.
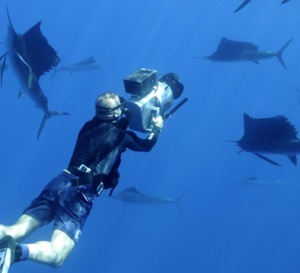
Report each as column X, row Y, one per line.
column 105, row 105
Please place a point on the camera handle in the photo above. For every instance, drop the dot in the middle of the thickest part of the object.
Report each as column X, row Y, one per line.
column 174, row 109
column 153, row 114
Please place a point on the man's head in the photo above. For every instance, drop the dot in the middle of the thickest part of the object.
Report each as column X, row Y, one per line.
column 108, row 106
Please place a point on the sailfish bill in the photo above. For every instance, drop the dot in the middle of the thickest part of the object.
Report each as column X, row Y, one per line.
column 30, row 56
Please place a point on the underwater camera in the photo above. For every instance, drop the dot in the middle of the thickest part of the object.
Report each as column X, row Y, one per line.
column 151, row 97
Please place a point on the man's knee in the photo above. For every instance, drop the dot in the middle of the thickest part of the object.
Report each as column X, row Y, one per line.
column 57, row 263
column 57, row 259
column 3, row 231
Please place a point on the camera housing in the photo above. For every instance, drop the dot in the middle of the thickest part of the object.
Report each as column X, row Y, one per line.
column 141, row 82
column 150, row 97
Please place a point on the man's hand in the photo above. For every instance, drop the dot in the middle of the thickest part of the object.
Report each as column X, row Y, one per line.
column 158, row 122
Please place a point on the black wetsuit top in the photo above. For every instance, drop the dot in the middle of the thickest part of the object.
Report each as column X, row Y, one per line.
column 98, row 138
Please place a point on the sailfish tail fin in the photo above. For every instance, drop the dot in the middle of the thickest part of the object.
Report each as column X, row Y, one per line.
column 242, row 5
column 178, row 200
column 280, row 52
column 48, row 116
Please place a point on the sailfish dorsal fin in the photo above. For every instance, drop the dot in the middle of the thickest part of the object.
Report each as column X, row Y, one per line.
column 41, row 55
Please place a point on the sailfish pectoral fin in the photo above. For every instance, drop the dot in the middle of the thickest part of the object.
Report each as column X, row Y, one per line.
column 293, row 158
column 267, row 159
column 31, row 78
column 21, row 58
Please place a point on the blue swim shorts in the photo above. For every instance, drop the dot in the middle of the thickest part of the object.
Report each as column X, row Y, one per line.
column 64, row 204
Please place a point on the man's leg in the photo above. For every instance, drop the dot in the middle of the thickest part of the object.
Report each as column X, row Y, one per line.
column 21, row 229
column 52, row 253
column 8, row 237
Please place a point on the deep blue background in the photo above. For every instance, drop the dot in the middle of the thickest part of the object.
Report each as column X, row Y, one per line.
column 224, row 227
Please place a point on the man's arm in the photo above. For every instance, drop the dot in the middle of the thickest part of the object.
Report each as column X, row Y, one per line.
column 133, row 142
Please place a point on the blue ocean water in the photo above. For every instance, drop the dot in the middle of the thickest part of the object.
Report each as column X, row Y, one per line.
column 224, row 227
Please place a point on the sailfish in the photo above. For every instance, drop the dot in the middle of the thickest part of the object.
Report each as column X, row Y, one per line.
column 245, row 2
column 85, row 65
column 132, row 195
column 30, row 56
column 274, row 135
column 237, row 51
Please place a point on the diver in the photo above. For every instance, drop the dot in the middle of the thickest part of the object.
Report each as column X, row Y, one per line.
column 67, row 199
